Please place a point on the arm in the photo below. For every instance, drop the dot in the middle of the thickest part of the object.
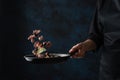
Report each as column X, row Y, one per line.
column 82, row 47
column 89, row 45
column 96, row 28
column 94, row 40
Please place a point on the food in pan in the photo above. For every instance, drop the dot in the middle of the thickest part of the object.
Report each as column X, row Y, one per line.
column 40, row 46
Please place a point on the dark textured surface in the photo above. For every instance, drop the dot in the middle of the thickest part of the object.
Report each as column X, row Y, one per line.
column 63, row 22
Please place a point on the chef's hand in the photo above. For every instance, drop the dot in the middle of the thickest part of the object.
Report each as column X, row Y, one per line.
column 81, row 48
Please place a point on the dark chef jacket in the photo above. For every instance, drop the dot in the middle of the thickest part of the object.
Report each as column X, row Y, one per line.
column 105, row 32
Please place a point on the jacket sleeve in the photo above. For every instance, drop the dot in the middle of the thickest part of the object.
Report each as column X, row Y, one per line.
column 96, row 29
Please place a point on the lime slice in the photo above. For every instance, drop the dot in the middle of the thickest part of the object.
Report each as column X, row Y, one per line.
column 41, row 50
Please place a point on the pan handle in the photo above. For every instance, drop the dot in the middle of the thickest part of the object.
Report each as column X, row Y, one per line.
column 71, row 54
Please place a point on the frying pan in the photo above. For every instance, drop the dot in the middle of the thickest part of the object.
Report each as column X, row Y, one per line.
column 58, row 58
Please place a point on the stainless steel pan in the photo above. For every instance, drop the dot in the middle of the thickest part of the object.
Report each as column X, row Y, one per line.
column 58, row 58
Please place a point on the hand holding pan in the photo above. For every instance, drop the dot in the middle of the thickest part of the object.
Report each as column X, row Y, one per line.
column 58, row 57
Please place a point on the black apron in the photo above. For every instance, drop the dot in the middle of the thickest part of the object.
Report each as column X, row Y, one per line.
column 105, row 32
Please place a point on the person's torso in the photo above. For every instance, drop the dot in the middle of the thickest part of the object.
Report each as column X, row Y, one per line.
column 109, row 19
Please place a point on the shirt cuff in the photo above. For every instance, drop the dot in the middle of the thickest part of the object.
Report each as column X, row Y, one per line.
column 97, row 39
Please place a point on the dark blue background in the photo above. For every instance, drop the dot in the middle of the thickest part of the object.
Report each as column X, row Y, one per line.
column 63, row 22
